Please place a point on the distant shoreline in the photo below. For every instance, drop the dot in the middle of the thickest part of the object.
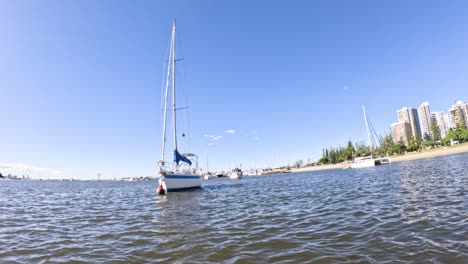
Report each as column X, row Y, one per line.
column 432, row 153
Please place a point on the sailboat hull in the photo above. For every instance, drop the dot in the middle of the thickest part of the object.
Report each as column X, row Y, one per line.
column 363, row 163
column 383, row 161
column 180, row 182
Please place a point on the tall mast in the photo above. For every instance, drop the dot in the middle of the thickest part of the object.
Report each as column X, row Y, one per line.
column 173, row 84
column 166, row 93
column 367, row 127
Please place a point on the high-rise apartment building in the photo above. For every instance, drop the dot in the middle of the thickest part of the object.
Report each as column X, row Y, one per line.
column 424, row 114
column 410, row 116
column 401, row 131
column 459, row 114
column 442, row 121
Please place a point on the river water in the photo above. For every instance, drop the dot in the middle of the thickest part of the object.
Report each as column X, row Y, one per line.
column 414, row 211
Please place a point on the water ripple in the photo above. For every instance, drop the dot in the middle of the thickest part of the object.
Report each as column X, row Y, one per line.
column 406, row 212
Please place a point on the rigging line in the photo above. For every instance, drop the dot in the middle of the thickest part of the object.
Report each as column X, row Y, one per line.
column 185, row 146
column 177, row 109
column 188, row 129
column 180, row 123
column 165, row 107
column 378, row 139
column 187, row 103
column 185, row 89
column 168, row 49
column 374, row 142
column 162, row 87
column 374, row 133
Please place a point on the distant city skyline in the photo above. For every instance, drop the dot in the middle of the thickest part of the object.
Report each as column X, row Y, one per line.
column 410, row 126
column 410, row 116
column 266, row 83
column 401, row 131
column 442, row 121
column 459, row 114
column 424, row 115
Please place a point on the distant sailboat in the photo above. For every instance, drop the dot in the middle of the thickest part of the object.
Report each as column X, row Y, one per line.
column 369, row 161
column 175, row 178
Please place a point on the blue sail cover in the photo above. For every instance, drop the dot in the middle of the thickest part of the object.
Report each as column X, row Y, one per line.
column 178, row 157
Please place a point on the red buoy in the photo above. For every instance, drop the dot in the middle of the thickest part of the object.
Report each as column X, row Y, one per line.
column 161, row 189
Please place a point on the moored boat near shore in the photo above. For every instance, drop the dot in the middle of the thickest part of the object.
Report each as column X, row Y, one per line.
column 383, row 161
column 363, row 162
column 368, row 161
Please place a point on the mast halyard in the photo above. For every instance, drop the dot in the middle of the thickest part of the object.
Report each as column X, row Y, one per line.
column 367, row 128
column 166, row 93
column 173, row 84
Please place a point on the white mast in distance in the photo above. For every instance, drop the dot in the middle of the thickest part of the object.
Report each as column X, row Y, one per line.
column 367, row 127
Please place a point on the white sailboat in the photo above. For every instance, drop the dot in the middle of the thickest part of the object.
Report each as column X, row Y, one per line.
column 369, row 161
column 176, row 178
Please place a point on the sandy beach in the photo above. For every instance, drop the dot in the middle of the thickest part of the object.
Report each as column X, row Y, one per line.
column 432, row 153
column 408, row 156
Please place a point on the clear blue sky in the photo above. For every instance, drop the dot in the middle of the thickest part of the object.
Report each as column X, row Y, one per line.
column 80, row 81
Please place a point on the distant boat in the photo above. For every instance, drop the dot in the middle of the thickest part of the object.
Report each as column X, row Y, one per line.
column 251, row 172
column 207, row 175
column 369, row 161
column 363, row 162
column 236, row 173
column 383, row 161
column 176, row 178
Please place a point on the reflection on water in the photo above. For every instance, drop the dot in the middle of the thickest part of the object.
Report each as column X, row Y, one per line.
column 409, row 211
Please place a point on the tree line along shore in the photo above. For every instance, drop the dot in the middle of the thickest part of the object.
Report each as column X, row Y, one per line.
column 423, row 154
column 390, row 148
column 456, row 141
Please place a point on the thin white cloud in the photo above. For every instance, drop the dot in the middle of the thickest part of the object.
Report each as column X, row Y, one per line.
column 230, row 131
column 213, row 138
column 27, row 169
column 216, row 138
column 345, row 88
column 253, row 135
